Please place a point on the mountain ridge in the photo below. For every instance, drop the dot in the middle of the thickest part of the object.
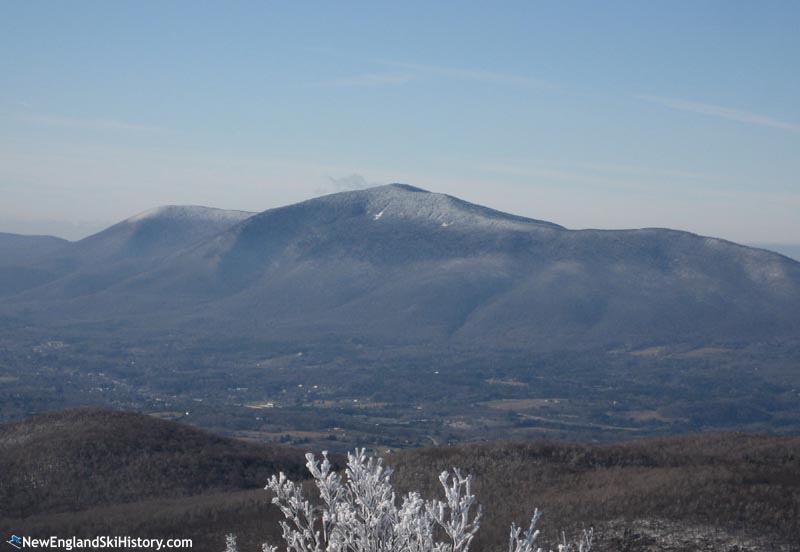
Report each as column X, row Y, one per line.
column 92, row 457
column 126, row 248
column 407, row 262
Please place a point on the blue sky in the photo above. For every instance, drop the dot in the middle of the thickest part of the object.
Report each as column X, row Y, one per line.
column 612, row 115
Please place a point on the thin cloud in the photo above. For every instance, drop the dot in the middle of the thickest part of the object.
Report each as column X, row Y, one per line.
column 722, row 112
column 471, row 74
column 347, row 183
column 409, row 71
column 90, row 124
column 351, row 182
column 372, row 80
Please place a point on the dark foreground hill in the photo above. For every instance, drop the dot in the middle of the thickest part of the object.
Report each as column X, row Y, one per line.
column 688, row 493
column 701, row 492
column 82, row 458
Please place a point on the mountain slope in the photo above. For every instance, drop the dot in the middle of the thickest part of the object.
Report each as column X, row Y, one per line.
column 157, row 232
column 128, row 248
column 80, row 458
column 17, row 249
column 17, row 253
column 693, row 492
column 112, row 473
column 791, row 250
column 401, row 264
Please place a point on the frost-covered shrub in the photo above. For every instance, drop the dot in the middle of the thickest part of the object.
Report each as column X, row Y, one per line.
column 230, row 543
column 360, row 513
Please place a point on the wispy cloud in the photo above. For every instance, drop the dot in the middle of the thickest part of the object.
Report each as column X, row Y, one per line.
column 372, row 80
column 353, row 181
column 722, row 112
column 403, row 72
column 346, row 183
column 470, row 74
column 89, row 124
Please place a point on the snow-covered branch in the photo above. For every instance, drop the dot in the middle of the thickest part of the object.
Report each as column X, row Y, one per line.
column 361, row 513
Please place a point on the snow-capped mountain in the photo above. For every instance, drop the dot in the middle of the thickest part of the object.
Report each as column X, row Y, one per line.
column 157, row 232
column 402, row 264
column 126, row 248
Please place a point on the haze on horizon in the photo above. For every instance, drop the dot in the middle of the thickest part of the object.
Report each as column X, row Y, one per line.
column 635, row 115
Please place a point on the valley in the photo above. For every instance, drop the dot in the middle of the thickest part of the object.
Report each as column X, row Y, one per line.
column 338, row 397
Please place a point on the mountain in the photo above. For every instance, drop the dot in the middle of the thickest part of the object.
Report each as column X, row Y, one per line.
column 720, row 492
column 80, row 458
column 398, row 316
column 157, row 232
column 400, row 264
column 17, row 252
column 791, row 250
column 16, row 249
column 127, row 248
column 97, row 472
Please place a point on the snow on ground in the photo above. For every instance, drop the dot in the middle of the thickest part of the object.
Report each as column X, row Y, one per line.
column 196, row 212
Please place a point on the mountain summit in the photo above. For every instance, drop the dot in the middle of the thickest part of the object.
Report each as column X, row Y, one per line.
column 408, row 203
column 156, row 232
